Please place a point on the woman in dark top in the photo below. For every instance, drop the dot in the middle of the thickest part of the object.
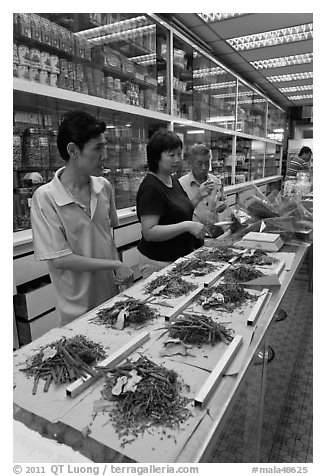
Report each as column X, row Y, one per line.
column 163, row 208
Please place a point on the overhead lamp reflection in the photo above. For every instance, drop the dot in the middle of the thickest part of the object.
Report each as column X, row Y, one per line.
column 196, row 131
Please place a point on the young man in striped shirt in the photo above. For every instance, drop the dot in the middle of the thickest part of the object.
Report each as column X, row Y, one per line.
column 300, row 163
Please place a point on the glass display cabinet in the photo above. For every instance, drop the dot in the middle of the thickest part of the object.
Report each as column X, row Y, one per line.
column 138, row 74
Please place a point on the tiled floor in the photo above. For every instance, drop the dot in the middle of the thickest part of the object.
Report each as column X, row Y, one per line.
column 287, row 420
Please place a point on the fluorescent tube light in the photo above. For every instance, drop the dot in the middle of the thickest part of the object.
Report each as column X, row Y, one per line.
column 201, row 73
column 300, row 96
column 290, row 77
column 212, row 17
column 225, row 84
column 113, row 27
column 282, row 61
column 196, row 131
column 273, row 37
column 293, row 89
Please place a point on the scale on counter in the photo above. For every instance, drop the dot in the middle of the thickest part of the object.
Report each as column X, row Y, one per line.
column 263, row 241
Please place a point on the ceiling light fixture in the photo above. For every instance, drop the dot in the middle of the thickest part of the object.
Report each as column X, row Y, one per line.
column 283, row 61
column 226, row 84
column 300, row 96
column 290, row 77
column 293, row 89
column 114, row 27
column 144, row 59
column 212, row 17
column 127, row 34
column 231, row 95
column 249, row 101
column 196, row 131
column 273, row 37
column 201, row 73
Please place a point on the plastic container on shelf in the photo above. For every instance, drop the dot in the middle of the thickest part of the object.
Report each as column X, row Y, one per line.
column 126, row 153
column 134, row 183
column 23, row 55
column 23, row 218
column 54, row 154
column 36, row 148
column 122, row 190
column 17, row 152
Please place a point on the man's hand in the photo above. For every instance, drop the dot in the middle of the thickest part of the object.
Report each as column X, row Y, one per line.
column 206, row 188
column 124, row 275
column 221, row 206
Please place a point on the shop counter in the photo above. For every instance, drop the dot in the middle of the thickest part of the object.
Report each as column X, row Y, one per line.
column 71, row 420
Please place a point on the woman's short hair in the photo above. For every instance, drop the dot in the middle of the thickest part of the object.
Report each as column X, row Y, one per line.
column 161, row 141
column 77, row 127
column 198, row 150
column 305, row 150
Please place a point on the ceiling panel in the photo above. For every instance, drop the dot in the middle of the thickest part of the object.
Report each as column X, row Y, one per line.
column 214, row 35
column 204, row 32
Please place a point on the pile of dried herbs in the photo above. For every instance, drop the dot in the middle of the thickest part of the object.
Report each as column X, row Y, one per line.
column 169, row 285
column 195, row 266
column 136, row 312
column 257, row 257
column 199, row 329
column 146, row 394
column 64, row 361
column 224, row 296
column 241, row 274
column 222, row 253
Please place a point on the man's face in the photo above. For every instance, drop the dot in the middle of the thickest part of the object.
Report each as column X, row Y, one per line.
column 200, row 166
column 91, row 158
column 307, row 156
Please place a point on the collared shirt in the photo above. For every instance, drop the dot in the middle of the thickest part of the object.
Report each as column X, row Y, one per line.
column 202, row 212
column 61, row 227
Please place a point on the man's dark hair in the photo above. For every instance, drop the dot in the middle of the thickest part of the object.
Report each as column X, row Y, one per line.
column 77, row 127
column 161, row 141
column 305, row 150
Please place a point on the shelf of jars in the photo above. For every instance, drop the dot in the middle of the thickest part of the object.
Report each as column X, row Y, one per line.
column 49, row 54
column 118, row 70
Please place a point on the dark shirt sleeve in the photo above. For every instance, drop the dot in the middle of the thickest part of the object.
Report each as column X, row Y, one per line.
column 150, row 201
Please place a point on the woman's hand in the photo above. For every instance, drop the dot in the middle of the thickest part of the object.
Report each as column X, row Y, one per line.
column 124, row 275
column 196, row 229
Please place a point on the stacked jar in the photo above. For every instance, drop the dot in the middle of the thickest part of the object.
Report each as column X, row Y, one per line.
column 17, row 142
column 36, row 148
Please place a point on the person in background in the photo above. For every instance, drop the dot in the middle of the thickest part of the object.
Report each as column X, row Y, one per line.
column 300, row 163
column 163, row 208
column 199, row 185
column 72, row 218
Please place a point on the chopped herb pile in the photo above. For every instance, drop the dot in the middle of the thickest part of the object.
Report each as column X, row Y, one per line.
column 64, row 361
column 258, row 257
column 227, row 296
column 222, row 253
column 169, row 285
column 195, row 266
column 241, row 274
column 146, row 394
column 196, row 329
column 137, row 312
